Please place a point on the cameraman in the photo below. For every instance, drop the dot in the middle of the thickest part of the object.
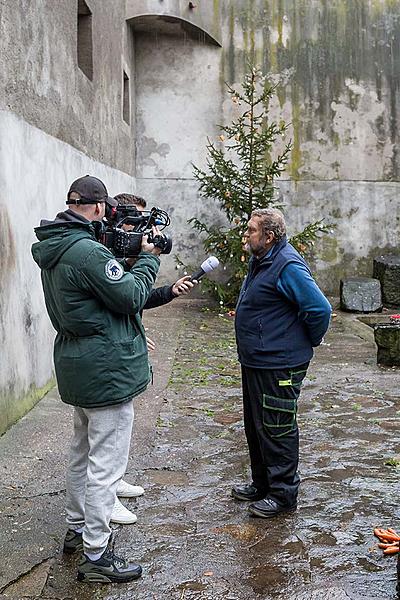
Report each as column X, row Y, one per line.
column 101, row 363
column 158, row 296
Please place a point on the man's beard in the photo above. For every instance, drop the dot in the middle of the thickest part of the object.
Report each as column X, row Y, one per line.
column 259, row 250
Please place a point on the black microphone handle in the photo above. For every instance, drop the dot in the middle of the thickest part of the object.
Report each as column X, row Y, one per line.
column 197, row 275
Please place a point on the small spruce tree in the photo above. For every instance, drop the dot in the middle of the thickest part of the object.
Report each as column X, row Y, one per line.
column 240, row 178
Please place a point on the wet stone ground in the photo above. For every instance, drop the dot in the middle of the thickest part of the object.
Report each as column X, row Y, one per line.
column 193, row 540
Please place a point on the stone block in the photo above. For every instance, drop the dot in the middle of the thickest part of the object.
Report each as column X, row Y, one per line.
column 387, row 338
column 387, row 270
column 360, row 294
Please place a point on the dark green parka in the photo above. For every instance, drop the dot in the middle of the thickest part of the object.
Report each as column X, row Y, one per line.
column 100, row 351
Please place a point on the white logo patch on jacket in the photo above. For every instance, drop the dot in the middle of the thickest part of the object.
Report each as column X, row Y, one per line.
column 113, row 270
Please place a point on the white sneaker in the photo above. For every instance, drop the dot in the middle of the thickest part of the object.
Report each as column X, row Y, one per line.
column 126, row 490
column 120, row 514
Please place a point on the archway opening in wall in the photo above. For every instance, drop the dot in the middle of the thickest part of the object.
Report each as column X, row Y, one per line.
column 177, row 95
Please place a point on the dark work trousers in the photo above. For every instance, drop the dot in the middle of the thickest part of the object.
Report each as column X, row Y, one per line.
column 270, row 408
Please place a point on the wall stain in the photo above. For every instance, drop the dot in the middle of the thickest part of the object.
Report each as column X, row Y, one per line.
column 13, row 406
column 231, row 50
column 7, row 248
column 315, row 49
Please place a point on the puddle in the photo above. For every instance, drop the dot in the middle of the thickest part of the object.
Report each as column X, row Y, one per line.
column 161, row 477
column 244, row 532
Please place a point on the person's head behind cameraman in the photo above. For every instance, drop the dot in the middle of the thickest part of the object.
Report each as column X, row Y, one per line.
column 131, row 200
column 88, row 197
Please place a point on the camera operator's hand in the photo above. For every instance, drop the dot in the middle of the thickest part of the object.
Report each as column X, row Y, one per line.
column 150, row 344
column 183, row 286
column 131, row 261
column 147, row 247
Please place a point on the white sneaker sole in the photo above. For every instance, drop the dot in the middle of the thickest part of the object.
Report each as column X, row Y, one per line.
column 123, row 520
column 130, row 494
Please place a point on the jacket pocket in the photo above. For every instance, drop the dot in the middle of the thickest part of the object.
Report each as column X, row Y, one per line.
column 126, row 345
column 129, row 364
column 279, row 415
column 79, row 364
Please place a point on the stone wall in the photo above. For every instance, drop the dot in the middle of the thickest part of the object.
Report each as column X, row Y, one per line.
column 337, row 68
column 36, row 170
column 40, row 79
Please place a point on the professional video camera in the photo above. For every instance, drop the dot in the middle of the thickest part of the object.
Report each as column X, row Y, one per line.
column 127, row 244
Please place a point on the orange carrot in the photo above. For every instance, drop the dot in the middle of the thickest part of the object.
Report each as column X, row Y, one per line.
column 392, row 538
column 378, row 532
column 392, row 550
column 390, row 530
column 384, row 535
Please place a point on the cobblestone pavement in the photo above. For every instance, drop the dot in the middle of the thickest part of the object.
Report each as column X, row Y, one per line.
column 193, row 540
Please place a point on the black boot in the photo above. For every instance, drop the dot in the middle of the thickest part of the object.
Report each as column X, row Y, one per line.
column 248, row 492
column 268, row 508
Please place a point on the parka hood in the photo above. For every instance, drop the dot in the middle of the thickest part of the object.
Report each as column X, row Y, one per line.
column 56, row 237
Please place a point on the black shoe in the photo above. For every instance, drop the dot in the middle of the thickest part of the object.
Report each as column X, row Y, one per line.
column 268, row 508
column 109, row 568
column 248, row 492
column 73, row 542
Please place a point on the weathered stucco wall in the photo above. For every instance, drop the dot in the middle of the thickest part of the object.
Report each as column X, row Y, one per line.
column 45, row 100
column 40, row 79
column 337, row 67
column 35, row 173
column 337, row 64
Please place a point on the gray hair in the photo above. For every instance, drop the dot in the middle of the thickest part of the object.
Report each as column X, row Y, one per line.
column 272, row 220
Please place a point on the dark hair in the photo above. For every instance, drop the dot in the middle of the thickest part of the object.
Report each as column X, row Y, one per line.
column 272, row 220
column 128, row 199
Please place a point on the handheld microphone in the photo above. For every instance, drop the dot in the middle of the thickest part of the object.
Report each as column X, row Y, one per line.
column 208, row 265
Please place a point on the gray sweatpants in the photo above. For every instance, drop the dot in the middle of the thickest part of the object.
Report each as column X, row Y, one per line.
column 98, row 461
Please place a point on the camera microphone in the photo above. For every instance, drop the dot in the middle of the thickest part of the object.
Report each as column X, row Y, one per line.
column 208, row 265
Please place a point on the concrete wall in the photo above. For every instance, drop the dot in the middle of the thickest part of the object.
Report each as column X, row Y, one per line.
column 36, row 170
column 40, row 79
column 198, row 21
column 173, row 118
column 337, row 66
column 56, row 124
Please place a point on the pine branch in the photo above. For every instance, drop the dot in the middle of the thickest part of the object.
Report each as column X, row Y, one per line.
column 305, row 240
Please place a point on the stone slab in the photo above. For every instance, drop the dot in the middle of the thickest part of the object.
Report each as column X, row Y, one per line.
column 387, row 270
column 360, row 294
column 387, row 338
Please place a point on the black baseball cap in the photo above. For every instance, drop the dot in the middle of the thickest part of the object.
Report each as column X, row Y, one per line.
column 91, row 190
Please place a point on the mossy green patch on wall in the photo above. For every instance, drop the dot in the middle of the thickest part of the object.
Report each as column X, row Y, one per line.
column 14, row 407
column 328, row 249
column 231, row 51
column 295, row 156
column 322, row 52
